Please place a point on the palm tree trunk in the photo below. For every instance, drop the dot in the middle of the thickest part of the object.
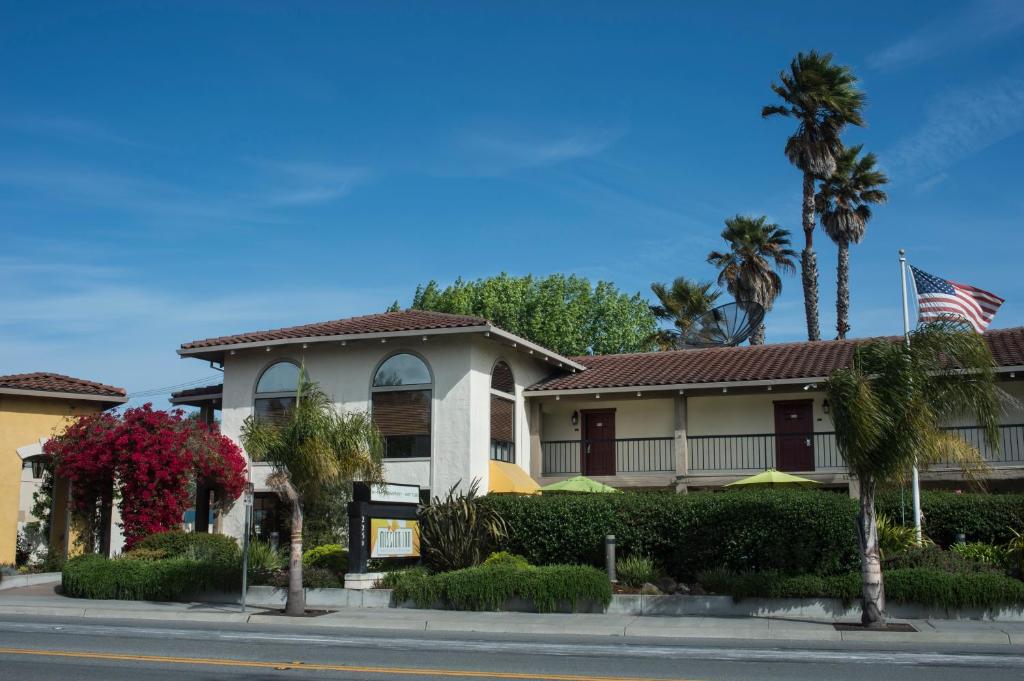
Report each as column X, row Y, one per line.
column 757, row 337
column 872, row 586
column 843, row 291
column 296, row 603
column 809, row 262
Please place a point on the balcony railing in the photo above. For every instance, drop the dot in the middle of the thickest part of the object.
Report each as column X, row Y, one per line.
column 503, row 450
column 1011, row 443
column 755, row 452
column 632, row 455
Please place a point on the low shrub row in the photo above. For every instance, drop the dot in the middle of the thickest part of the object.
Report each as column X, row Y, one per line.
column 94, row 576
column 489, row 587
column 787, row 531
column 218, row 548
column 923, row 586
column 981, row 517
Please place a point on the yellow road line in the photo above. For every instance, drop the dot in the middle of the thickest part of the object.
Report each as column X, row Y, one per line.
column 223, row 662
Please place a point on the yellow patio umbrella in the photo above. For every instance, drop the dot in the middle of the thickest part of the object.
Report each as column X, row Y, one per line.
column 773, row 477
column 579, row 483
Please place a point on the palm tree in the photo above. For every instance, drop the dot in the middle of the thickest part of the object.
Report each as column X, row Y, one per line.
column 824, row 99
column 313, row 451
column 682, row 303
column 887, row 407
column 747, row 270
column 843, row 202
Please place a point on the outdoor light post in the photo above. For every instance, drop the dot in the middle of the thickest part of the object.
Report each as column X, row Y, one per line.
column 247, row 499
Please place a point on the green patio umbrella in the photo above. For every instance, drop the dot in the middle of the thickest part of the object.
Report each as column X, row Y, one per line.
column 773, row 477
column 580, row 483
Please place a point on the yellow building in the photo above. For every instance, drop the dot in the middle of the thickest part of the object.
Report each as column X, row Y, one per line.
column 33, row 408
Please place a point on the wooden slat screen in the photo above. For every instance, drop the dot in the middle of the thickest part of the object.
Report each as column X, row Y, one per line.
column 502, row 419
column 501, row 379
column 403, row 412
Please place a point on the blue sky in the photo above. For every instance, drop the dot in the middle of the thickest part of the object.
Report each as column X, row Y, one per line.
column 171, row 171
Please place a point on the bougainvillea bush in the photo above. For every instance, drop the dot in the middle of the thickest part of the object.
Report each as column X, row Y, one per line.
column 150, row 461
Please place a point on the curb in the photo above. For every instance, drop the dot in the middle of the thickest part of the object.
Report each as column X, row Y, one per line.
column 18, row 581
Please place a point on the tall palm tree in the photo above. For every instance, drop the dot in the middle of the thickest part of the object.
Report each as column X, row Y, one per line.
column 313, row 451
column 682, row 303
column 748, row 269
column 888, row 406
column 824, row 99
column 844, row 203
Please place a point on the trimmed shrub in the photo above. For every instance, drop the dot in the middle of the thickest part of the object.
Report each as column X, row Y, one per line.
column 145, row 554
column 201, row 546
column 938, row 559
column 331, row 557
column 980, row 552
column 490, row 587
column 789, row 531
column 636, row 570
column 312, row 578
column 93, row 576
column 921, row 586
column 506, row 558
column 981, row 517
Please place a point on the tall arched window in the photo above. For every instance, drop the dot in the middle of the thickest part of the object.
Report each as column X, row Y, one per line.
column 400, row 394
column 275, row 391
column 503, row 410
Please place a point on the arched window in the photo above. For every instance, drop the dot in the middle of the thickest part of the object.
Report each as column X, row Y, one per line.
column 275, row 391
column 401, row 395
column 503, row 414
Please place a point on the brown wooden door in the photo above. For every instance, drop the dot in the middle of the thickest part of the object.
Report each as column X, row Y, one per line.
column 598, row 446
column 794, row 435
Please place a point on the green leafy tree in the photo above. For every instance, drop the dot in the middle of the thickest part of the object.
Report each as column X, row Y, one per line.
column 888, row 407
column 823, row 99
column 560, row 312
column 844, row 203
column 313, row 451
column 748, row 269
column 681, row 303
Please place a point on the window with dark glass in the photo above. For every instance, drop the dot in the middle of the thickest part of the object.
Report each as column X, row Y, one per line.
column 503, row 439
column 275, row 391
column 401, row 399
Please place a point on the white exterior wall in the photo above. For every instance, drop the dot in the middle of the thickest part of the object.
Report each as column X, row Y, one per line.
column 747, row 414
column 460, row 418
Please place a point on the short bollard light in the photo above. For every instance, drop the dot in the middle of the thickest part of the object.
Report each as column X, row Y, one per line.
column 609, row 557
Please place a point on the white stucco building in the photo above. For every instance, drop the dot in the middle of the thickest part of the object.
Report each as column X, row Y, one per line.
column 452, row 394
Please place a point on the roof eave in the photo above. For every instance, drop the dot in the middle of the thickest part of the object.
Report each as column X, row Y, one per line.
column 111, row 400
column 674, row 386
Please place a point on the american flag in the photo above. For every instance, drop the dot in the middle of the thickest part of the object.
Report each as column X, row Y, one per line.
column 938, row 298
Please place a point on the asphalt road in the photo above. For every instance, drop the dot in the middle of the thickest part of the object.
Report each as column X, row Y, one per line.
column 56, row 649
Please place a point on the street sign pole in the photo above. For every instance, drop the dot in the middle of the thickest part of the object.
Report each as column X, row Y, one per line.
column 249, row 487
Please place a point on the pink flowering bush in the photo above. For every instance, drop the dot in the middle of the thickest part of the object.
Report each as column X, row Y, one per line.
column 150, row 460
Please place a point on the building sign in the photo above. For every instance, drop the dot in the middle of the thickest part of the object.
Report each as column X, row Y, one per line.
column 392, row 538
column 395, row 494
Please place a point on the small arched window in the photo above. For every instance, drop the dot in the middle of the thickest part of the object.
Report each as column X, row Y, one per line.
column 276, row 390
column 503, row 413
column 401, row 397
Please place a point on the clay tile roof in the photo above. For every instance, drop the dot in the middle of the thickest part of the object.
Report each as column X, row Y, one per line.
column 387, row 322
column 42, row 381
column 743, row 363
column 214, row 389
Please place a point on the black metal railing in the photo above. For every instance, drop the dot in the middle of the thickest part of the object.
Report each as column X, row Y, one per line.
column 1011, row 443
column 755, row 452
column 632, row 455
column 503, row 450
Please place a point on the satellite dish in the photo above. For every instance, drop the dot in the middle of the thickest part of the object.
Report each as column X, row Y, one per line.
column 724, row 326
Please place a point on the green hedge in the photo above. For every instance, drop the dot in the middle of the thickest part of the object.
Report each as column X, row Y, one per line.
column 788, row 531
column 93, row 576
column 193, row 545
column 489, row 587
column 332, row 557
column 921, row 586
column 982, row 517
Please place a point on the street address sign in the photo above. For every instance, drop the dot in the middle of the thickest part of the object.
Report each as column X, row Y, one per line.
column 389, row 493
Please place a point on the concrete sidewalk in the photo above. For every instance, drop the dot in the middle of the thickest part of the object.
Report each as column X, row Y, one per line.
column 41, row 601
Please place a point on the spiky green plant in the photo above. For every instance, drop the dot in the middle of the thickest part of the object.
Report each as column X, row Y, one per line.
column 457, row 531
column 313, row 450
column 823, row 99
column 888, row 407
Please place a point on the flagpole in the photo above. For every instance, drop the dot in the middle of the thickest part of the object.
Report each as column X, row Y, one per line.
column 915, row 479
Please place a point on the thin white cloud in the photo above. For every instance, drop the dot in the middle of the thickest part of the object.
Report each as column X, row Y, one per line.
column 979, row 23
column 490, row 152
column 957, row 125
column 66, row 128
column 299, row 183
